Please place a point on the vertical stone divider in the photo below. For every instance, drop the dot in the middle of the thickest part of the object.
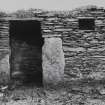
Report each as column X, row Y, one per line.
column 53, row 62
column 4, row 53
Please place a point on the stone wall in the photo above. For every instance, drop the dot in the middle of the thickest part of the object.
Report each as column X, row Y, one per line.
column 4, row 52
column 84, row 50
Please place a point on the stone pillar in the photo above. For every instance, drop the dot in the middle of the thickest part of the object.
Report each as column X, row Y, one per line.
column 53, row 62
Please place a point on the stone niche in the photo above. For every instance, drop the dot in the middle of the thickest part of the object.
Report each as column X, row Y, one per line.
column 26, row 51
column 53, row 62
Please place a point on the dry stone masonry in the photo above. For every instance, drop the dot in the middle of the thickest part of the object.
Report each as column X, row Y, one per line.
column 67, row 49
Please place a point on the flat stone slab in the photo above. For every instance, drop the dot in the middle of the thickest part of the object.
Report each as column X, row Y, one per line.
column 53, row 62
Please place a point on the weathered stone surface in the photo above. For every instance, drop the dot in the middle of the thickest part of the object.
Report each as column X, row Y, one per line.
column 77, row 44
column 4, row 70
column 94, row 102
column 97, row 75
column 53, row 62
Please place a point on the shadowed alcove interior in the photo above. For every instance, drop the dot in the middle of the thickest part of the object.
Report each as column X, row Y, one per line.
column 26, row 51
column 87, row 24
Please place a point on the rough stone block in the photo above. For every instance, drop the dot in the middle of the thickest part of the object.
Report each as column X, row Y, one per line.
column 4, row 70
column 53, row 62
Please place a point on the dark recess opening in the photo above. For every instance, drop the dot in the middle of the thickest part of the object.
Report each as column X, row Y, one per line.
column 86, row 24
column 26, row 51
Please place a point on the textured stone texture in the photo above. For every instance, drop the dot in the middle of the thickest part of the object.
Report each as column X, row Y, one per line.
column 4, row 53
column 84, row 50
column 94, row 102
column 53, row 62
column 4, row 70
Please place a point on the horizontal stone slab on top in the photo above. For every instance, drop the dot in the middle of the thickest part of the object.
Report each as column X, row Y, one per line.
column 71, row 19
column 74, row 49
column 47, row 30
column 51, row 35
column 63, row 29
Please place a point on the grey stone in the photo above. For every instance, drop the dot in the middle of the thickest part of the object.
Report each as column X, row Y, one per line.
column 4, row 70
column 53, row 62
column 94, row 102
column 97, row 75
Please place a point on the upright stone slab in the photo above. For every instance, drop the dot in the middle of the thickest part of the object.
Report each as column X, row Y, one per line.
column 53, row 62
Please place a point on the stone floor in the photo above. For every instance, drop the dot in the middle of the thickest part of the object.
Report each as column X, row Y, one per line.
column 73, row 93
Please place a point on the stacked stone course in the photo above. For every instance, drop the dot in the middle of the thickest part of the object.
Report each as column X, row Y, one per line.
column 84, row 50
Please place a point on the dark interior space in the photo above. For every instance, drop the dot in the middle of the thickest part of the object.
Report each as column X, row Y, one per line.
column 86, row 24
column 26, row 51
